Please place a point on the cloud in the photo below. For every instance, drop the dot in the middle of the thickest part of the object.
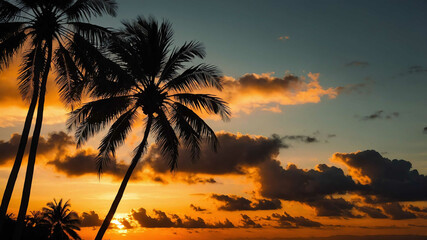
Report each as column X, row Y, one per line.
column 425, row 130
column 396, row 211
column 380, row 115
column 55, row 142
column 161, row 220
column 84, row 162
column 415, row 69
column 235, row 154
column 296, row 184
column 236, row 203
column 417, row 209
column 254, row 91
column 333, row 207
column 357, row 64
column 247, row 222
column 371, row 211
column 90, row 219
column 301, row 138
column 287, row 221
column 197, row 208
column 387, row 180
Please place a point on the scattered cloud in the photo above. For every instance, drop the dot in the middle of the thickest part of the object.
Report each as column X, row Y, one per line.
column 161, row 220
column 266, row 92
column 236, row 203
column 90, row 219
column 372, row 211
column 292, row 183
column 385, row 179
column 380, row 114
column 357, row 64
column 247, row 222
column 287, row 221
column 333, row 207
column 54, row 143
column 301, row 138
column 236, row 153
column 396, row 211
column 197, row 208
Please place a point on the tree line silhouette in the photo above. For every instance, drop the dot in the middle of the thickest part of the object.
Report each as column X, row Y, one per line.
column 55, row 221
column 132, row 74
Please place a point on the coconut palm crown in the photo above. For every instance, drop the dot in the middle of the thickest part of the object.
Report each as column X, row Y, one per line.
column 62, row 222
column 145, row 79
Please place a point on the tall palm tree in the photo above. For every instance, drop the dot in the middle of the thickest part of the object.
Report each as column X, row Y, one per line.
column 146, row 80
column 62, row 222
column 50, row 31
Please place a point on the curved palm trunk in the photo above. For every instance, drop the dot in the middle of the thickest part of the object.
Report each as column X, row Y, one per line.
column 125, row 181
column 20, row 153
column 33, row 150
column 18, row 160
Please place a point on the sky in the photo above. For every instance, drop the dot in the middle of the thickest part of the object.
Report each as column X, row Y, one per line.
column 328, row 134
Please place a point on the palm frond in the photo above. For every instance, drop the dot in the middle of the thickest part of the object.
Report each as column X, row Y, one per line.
column 204, row 102
column 95, row 115
column 69, row 78
column 166, row 138
column 30, row 71
column 7, row 29
column 187, row 133
column 197, row 123
column 9, row 46
column 196, row 77
column 85, row 9
column 8, row 11
column 115, row 137
column 93, row 33
column 179, row 56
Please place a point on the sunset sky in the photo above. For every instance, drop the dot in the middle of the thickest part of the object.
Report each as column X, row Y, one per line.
column 328, row 134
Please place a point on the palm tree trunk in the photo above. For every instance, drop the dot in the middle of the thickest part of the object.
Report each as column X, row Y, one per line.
column 125, row 181
column 21, row 148
column 19, row 228
column 18, row 160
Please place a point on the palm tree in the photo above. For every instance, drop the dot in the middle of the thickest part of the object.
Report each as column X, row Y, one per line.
column 62, row 222
column 50, row 31
column 146, row 78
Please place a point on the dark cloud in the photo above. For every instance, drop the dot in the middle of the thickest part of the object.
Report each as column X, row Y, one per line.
column 357, row 64
column 425, row 130
column 396, row 211
column 55, row 142
column 197, row 208
column 417, row 209
column 161, row 220
column 90, row 219
column 333, row 207
column 371, row 211
column 236, row 203
column 385, row 179
column 287, row 221
column 125, row 223
column 415, row 69
column 236, row 153
column 297, row 184
column 84, row 162
column 380, row 115
column 247, row 222
column 301, row 138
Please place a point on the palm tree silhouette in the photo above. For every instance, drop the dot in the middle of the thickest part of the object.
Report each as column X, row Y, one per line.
column 62, row 222
column 50, row 31
column 146, row 76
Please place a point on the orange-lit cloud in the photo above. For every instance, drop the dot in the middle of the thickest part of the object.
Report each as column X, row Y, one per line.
column 266, row 92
